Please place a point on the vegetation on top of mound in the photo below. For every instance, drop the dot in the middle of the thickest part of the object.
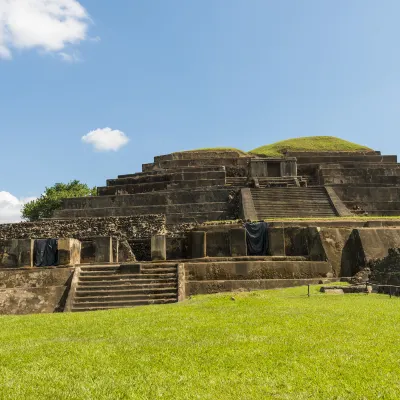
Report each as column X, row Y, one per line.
column 240, row 152
column 309, row 143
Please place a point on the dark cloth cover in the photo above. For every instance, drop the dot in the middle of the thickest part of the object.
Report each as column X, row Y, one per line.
column 45, row 252
column 257, row 238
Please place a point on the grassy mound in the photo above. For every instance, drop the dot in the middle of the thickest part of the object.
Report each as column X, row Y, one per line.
column 309, row 143
column 272, row 344
column 217, row 149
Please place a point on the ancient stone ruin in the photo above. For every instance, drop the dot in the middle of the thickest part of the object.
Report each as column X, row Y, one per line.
column 178, row 228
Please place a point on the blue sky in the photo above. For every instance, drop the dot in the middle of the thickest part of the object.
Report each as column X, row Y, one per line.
column 180, row 74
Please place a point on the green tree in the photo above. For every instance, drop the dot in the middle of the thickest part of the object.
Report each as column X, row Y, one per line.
column 51, row 199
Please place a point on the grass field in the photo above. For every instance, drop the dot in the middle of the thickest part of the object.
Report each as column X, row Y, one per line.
column 309, row 143
column 261, row 345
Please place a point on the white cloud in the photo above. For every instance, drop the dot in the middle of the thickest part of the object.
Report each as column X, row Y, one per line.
column 10, row 207
column 106, row 139
column 48, row 25
column 70, row 57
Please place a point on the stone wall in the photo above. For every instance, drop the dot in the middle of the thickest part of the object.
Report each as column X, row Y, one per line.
column 214, row 277
column 133, row 227
column 29, row 291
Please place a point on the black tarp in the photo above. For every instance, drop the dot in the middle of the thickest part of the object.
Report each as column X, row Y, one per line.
column 45, row 252
column 257, row 238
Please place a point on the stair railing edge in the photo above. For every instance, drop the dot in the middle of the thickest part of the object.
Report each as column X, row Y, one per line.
column 248, row 209
column 181, row 275
column 336, row 203
column 72, row 290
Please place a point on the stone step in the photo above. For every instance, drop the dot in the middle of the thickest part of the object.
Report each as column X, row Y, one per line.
column 374, row 205
column 189, row 184
column 171, row 176
column 166, row 198
column 273, row 194
column 119, row 304
column 190, row 155
column 209, row 168
column 320, row 159
column 294, row 190
column 132, row 188
column 292, row 207
column 331, row 153
column 261, row 213
column 99, row 267
column 359, row 180
column 174, row 218
column 292, row 202
column 391, row 170
column 161, row 182
column 143, row 271
column 361, row 165
column 125, row 282
column 123, row 277
column 295, row 204
column 172, row 164
column 293, row 199
column 268, row 215
column 236, row 181
column 384, row 213
column 183, row 209
column 118, row 298
column 99, row 295
column 127, row 288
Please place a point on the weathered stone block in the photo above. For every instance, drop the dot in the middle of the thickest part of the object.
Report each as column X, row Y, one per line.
column 16, row 253
column 218, row 244
column 158, row 247
column 238, row 242
column 69, row 252
column 276, row 239
column 103, row 249
column 181, row 282
column 328, row 290
column 115, row 249
column 198, row 244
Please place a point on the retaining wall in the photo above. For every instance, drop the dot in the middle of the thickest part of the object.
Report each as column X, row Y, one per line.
column 32, row 291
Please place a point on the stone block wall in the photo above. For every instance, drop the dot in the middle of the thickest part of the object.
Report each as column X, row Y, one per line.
column 133, row 227
column 29, row 291
column 16, row 253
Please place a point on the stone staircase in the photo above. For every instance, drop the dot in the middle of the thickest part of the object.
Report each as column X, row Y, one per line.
column 102, row 287
column 241, row 181
column 292, row 202
column 278, row 181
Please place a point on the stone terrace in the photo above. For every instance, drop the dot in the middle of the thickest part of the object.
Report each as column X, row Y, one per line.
column 204, row 186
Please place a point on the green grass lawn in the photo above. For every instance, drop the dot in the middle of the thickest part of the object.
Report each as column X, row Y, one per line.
column 275, row 344
column 309, row 143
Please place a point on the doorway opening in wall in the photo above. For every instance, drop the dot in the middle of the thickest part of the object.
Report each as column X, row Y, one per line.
column 274, row 169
